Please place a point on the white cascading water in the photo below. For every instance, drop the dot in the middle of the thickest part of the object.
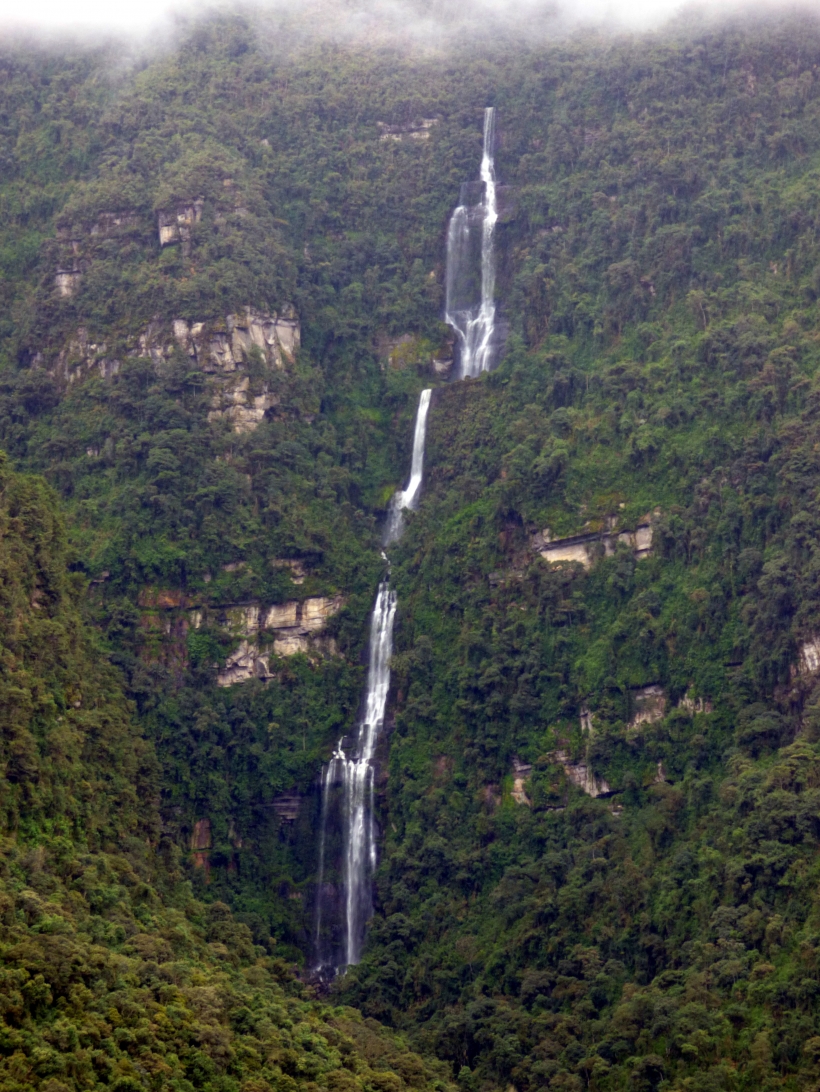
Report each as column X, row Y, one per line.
column 354, row 777
column 408, row 498
column 474, row 325
column 360, row 843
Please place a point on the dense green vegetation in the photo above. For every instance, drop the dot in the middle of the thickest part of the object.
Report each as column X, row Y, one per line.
column 113, row 975
column 657, row 266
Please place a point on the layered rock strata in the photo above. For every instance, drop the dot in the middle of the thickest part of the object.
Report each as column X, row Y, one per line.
column 223, row 349
column 418, row 129
column 586, row 548
column 295, row 626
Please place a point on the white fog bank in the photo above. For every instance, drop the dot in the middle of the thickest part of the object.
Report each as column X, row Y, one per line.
column 149, row 17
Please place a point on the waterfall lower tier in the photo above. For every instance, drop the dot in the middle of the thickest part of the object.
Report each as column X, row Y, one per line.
column 408, row 498
column 347, row 804
column 470, row 308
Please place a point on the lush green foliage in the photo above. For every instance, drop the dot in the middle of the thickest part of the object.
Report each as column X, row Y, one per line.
column 111, row 974
column 658, row 271
column 665, row 355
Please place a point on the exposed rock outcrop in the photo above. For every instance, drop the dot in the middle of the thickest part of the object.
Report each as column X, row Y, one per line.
column 418, row 129
column 162, row 598
column 201, row 843
column 316, row 611
column 222, row 349
column 72, row 242
column 295, row 627
column 581, row 775
column 521, row 771
column 287, row 806
column 224, row 346
column 282, row 629
column 174, row 225
column 695, row 705
column 242, row 664
column 245, row 410
column 808, row 658
column 111, row 223
column 281, row 616
column 586, row 548
column 648, row 704
column 68, row 275
column 163, row 640
column 67, row 281
column 82, row 355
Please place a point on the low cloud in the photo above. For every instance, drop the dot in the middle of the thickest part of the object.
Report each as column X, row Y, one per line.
column 414, row 22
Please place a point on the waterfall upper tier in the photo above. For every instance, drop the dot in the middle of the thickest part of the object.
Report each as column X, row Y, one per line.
column 470, row 308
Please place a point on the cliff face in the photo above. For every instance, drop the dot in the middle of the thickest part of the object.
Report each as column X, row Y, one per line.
column 226, row 350
column 100, row 933
column 294, row 627
column 595, row 798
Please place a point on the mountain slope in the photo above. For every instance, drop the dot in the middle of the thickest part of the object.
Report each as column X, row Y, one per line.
column 598, row 801
column 113, row 975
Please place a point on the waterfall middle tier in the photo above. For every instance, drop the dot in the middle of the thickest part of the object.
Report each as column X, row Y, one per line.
column 408, row 498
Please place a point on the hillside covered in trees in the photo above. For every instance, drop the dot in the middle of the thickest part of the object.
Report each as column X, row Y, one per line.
column 222, row 276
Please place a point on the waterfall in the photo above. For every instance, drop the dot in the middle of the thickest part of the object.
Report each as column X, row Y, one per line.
column 474, row 322
column 355, row 778
column 360, row 855
column 408, row 498
column 352, row 779
column 348, row 784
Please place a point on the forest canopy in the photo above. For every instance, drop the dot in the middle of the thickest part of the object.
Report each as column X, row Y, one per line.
column 222, row 277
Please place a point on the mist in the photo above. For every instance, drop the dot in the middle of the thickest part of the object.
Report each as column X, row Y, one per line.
column 368, row 21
